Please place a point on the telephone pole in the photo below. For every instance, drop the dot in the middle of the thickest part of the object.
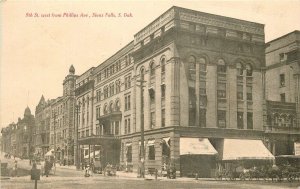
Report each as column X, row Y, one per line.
column 76, row 146
column 141, row 85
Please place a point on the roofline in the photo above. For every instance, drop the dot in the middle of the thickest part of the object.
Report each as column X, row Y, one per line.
column 131, row 42
column 283, row 36
column 90, row 69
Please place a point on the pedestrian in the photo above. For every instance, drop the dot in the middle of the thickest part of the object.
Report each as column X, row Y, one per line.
column 15, row 168
column 47, row 167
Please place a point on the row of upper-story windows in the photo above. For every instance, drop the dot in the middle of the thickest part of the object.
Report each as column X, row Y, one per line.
column 114, row 68
column 113, row 88
column 112, row 106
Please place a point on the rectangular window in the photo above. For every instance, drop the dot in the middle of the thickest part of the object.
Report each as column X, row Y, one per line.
column 249, row 120
column 240, row 120
column 125, row 128
column 163, row 117
column 221, row 90
column 282, row 97
column 152, row 120
column 151, row 154
column 117, row 128
column 281, row 57
column 128, row 125
column 202, row 87
column 240, row 92
column 221, row 119
column 129, row 154
column 249, row 93
column 202, row 118
column 282, row 80
column 163, row 91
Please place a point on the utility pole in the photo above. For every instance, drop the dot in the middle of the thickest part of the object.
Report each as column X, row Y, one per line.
column 142, row 81
column 54, row 127
column 77, row 111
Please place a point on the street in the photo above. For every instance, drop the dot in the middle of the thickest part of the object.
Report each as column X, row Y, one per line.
column 98, row 181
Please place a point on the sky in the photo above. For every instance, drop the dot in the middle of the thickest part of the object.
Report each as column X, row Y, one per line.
column 36, row 52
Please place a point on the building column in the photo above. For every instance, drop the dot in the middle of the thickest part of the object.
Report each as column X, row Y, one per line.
column 297, row 98
column 175, row 91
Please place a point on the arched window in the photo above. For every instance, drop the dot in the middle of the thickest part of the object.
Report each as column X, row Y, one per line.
column 249, row 70
column 112, row 89
column 111, row 107
column 192, row 67
column 118, row 86
column 117, row 107
column 163, row 65
column 105, row 111
column 221, row 66
column 142, row 74
column 152, row 68
column 202, row 62
column 239, row 68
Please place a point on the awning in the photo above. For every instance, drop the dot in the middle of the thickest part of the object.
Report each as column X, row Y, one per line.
column 92, row 154
column 50, row 153
column 239, row 149
column 193, row 146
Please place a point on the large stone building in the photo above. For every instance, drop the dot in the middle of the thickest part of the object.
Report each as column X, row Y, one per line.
column 189, row 79
column 42, row 127
column 18, row 137
column 62, row 120
column 283, row 94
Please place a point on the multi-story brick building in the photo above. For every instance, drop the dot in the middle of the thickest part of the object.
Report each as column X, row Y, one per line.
column 62, row 120
column 42, row 127
column 189, row 79
column 18, row 137
column 283, row 94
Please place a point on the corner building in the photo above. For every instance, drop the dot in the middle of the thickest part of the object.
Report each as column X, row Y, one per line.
column 202, row 84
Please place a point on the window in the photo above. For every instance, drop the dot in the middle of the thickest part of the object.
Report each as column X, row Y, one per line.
column 240, row 92
column 249, row 120
column 125, row 127
column 105, row 110
column 293, row 55
column 117, row 105
column 118, row 86
column 221, row 90
column 112, row 89
column 142, row 74
column 163, row 91
column 282, row 97
column 281, row 57
column 249, row 70
column 127, row 102
column 221, row 119
column 151, row 154
column 163, row 117
column 97, row 112
column 163, row 65
column 152, row 124
column 127, row 82
column 202, row 88
column 129, row 154
column 128, row 125
column 221, row 68
column 282, row 80
column 192, row 67
column 152, row 68
column 111, row 107
column 202, row 62
column 98, row 77
column 87, row 133
column 202, row 117
column 152, row 96
column 117, row 128
column 249, row 93
column 106, row 92
column 239, row 68
column 97, row 130
column 240, row 120
column 192, row 107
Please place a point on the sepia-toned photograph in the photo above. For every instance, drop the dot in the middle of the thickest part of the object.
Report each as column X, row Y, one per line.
column 150, row 94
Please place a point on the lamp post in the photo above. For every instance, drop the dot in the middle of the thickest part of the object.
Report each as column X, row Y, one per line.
column 77, row 111
column 141, row 85
column 54, row 127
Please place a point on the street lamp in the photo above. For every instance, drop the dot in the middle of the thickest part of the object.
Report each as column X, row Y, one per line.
column 142, row 171
column 77, row 111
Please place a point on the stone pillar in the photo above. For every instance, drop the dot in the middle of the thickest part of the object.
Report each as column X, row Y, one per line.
column 175, row 91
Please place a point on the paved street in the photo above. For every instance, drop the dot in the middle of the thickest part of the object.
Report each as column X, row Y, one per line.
column 117, row 182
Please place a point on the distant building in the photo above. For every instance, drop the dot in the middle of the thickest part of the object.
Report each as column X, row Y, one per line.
column 42, row 127
column 18, row 138
column 283, row 93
